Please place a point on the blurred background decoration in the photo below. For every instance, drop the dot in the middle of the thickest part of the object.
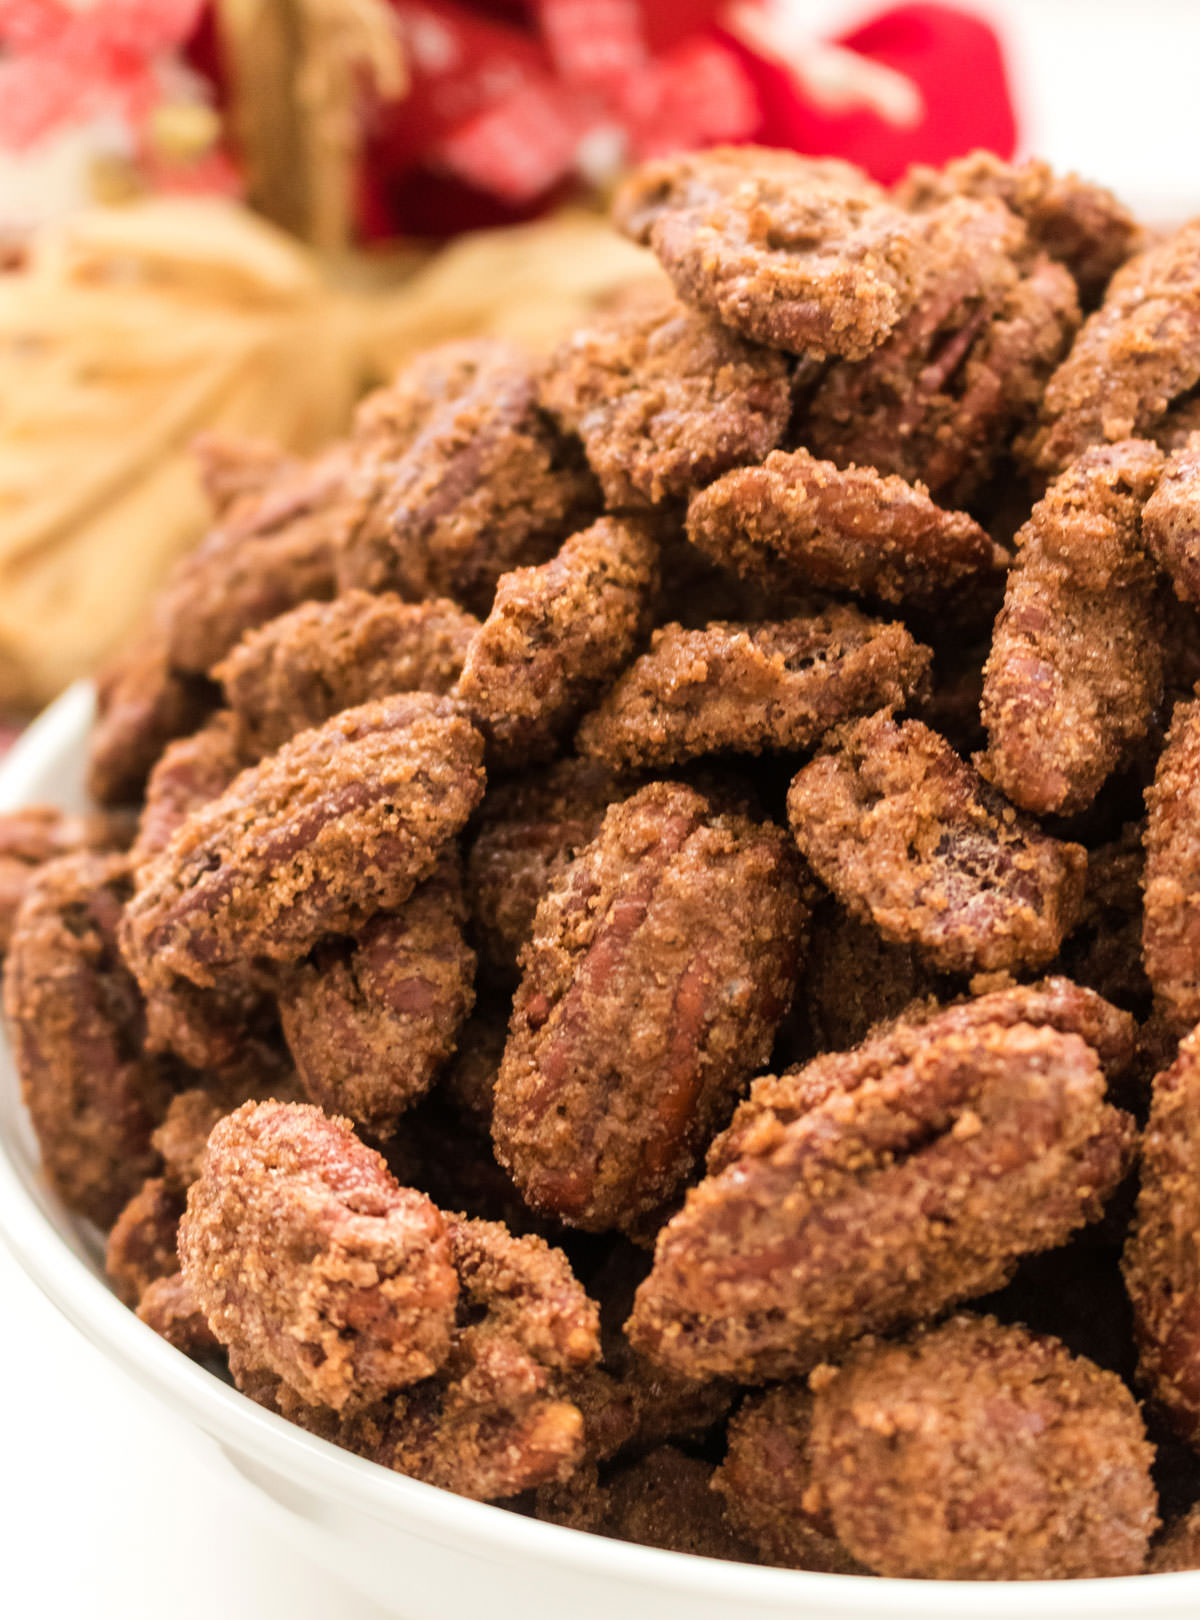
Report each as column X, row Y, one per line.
column 239, row 214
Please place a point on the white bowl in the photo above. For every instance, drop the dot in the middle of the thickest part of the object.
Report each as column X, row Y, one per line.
column 408, row 1546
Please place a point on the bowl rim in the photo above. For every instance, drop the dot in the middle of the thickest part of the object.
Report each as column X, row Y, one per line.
column 438, row 1515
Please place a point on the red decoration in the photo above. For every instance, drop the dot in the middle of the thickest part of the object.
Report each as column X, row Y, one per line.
column 63, row 65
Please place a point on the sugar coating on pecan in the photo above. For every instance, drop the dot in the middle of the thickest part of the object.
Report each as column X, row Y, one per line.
column 1171, row 915
column 801, row 253
column 190, row 772
column 169, row 1306
column 38, row 833
column 341, row 822
column 888, row 1196
column 371, row 1020
column 305, row 666
column 269, row 551
column 663, row 1499
column 1078, row 223
column 665, row 399
column 310, row 1261
column 1132, row 360
column 1172, row 431
column 765, row 1482
column 910, row 838
column 941, row 397
column 141, row 1246
column 557, row 635
column 1075, row 673
column 1054, row 1003
column 529, row 830
column 76, row 1026
column 981, row 1452
column 659, row 968
column 805, row 524
column 1161, row 1264
column 494, row 1420
column 142, row 704
column 477, row 480
column 1179, row 1547
column 1171, row 520
column 748, row 688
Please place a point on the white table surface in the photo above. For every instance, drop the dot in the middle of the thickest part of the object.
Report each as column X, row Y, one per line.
column 98, row 1523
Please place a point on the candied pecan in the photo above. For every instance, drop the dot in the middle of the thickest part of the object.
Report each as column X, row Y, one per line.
column 557, row 635
column 493, row 1422
column 1075, row 673
column 370, row 1021
column 1171, row 520
column 659, row 968
column 38, row 833
column 1080, row 224
column 894, row 1190
column 1054, row 1003
column 908, row 837
column 477, row 482
column 665, row 400
column 190, row 772
column 268, row 552
column 76, row 1027
column 342, row 822
column 311, row 1262
column 1161, row 1265
column 981, row 1452
column 940, row 399
column 142, row 704
column 529, row 832
column 1132, row 360
column 232, row 467
column 1171, row 919
column 308, row 665
column 141, row 1245
column 807, row 524
column 212, row 1026
column 169, row 1307
column 1179, row 1547
column 804, row 254
column 661, row 1500
column 750, row 687
column 766, row 1484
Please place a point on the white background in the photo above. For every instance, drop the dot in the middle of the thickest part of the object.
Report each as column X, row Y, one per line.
column 101, row 1519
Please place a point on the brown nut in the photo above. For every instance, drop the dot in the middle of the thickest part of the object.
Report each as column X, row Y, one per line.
column 659, row 968
column 310, row 1262
column 142, row 704
column 77, row 1027
column 1075, row 673
column 38, row 833
column 1161, row 1265
column 189, row 773
column 746, row 688
column 370, row 1021
column 664, row 399
column 803, row 524
column 557, row 635
column 341, row 823
column 908, row 837
column 801, row 253
column 308, row 665
column 469, row 478
column 1171, row 520
column 881, row 1193
column 981, row 1452
column 529, row 831
column 1171, row 915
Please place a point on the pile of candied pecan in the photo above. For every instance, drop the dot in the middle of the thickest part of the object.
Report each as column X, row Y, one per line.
column 640, row 883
